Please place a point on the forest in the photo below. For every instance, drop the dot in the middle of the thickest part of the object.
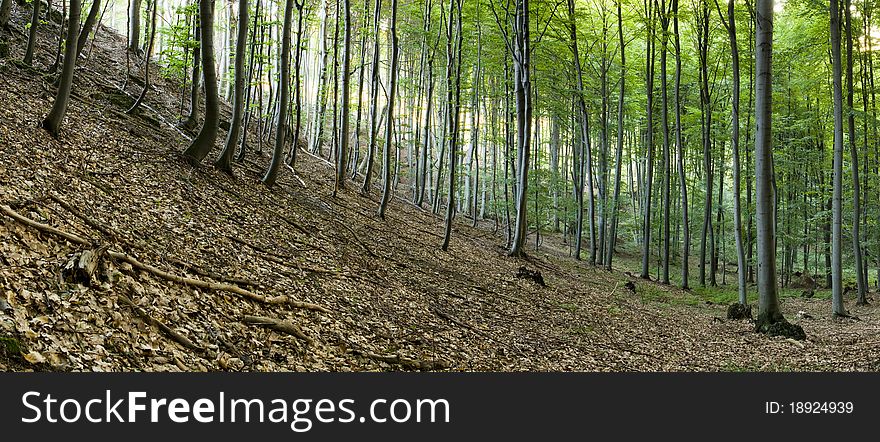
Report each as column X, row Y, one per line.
column 647, row 161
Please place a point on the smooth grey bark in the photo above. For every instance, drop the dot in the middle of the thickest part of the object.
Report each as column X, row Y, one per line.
column 837, row 169
column 374, row 92
column 87, row 25
column 192, row 119
column 453, row 106
column 768, row 300
column 283, row 97
column 134, row 30
column 143, row 94
column 52, row 122
column 204, row 141
column 224, row 161
column 706, row 121
column 618, row 157
column 580, row 168
column 522, row 77
column 649, row 141
column 342, row 153
column 861, row 277
column 32, row 34
column 389, row 123
column 423, row 160
column 730, row 25
column 679, row 143
column 297, row 83
column 664, row 121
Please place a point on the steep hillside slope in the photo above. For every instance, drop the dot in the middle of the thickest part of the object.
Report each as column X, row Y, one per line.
column 393, row 300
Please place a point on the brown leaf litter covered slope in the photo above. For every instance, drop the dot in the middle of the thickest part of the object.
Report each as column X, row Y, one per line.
column 392, row 299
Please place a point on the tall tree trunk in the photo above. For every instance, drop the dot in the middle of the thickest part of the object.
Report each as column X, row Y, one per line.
column 522, row 74
column 342, row 153
column 618, row 158
column 297, row 83
column 374, row 114
column 584, row 146
column 664, row 118
column 706, row 121
column 283, row 96
column 837, row 198
column 861, row 277
column 679, row 143
column 768, row 301
column 453, row 84
column 204, row 141
column 224, row 162
column 730, row 24
column 649, row 141
column 389, row 122
column 52, row 122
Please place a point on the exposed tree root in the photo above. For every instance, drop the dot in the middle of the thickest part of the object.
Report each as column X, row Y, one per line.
column 279, row 326
column 277, row 300
column 177, row 337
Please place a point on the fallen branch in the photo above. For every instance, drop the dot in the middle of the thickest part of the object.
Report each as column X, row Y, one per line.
column 193, row 268
column 177, row 337
column 43, row 227
column 293, row 172
column 279, row 326
column 108, row 232
column 277, row 300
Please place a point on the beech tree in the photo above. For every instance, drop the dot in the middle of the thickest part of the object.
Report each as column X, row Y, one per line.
column 205, row 140
column 52, row 122
column 224, row 162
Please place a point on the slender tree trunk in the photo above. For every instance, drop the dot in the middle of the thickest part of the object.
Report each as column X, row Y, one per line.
column 204, row 141
column 87, row 26
column 192, row 120
column 522, row 75
column 664, row 118
column 224, row 162
column 374, row 114
column 283, row 97
column 649, row 138
column 679, row 143
column 389, row 123
column 618, row 158
column 730, row 24
column 297, row 83
column 579, row 168
column 149, row 51
column 342, row 153
column 837, row 198
column 32, row 34
column 453, row 83
column 861, row 277
column 52, row 122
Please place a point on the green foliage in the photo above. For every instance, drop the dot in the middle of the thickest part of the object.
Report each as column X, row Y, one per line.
column 179, row 43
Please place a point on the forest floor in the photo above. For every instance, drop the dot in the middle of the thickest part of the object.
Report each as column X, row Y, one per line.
column 393, row 299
